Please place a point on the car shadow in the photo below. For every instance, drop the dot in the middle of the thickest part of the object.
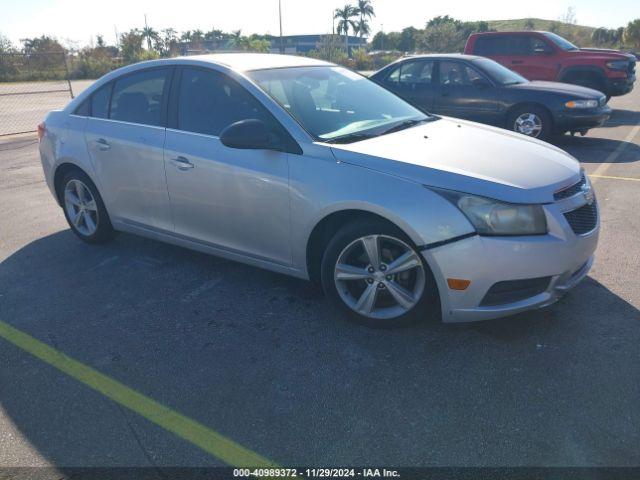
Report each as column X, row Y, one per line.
column 620, row 117
column 598, row 150
column 263, row 359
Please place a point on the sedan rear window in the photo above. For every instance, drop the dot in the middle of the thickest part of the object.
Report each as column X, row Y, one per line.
column 137, row 98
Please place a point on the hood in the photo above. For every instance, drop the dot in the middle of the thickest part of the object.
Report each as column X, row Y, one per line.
column 468, row 157
column 607, row 53
column 561, row 88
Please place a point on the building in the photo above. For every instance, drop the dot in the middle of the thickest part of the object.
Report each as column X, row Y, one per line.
column 302, row 44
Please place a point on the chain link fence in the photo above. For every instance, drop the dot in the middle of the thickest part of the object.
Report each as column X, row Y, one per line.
column 30, row 86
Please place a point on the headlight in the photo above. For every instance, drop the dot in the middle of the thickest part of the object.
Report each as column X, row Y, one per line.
column 618, row 65
column 582, row 104
column 492, row 217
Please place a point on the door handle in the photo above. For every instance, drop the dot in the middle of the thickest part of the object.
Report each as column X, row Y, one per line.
column 102, row 144
column 182, row 163
column 445, row 93
column 516, row 62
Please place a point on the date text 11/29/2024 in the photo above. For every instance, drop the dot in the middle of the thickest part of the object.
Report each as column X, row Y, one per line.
column 316, row 472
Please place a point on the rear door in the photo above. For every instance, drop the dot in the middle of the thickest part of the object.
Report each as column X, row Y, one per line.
column 464, row 92
column 125, row 138
column 233, row 199
column 413, row 81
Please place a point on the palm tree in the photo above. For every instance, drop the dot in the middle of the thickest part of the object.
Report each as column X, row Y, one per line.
column 150, row 34
column 344, row 16
column 365, row 11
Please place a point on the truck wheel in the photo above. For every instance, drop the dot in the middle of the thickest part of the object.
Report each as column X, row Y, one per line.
column 531, row 121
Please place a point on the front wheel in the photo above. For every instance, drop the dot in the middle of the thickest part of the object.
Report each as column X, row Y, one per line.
column 373, row 273
column 531, row 121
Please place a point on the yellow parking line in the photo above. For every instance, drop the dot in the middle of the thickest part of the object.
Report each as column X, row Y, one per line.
column 203, row 437
column 613, row 156
column 632, row 179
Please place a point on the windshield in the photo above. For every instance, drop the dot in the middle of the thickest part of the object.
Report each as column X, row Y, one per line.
column 498, row 73
column 336, row 104
column 564, row 44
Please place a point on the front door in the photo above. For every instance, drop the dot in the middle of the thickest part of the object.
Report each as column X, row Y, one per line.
column 463, row 92
column 233, row 199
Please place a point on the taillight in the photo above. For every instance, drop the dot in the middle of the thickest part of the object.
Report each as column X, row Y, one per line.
column 42, row 128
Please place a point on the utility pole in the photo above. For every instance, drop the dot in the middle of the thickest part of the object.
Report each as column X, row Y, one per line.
column 115, row 29
column 280, row 18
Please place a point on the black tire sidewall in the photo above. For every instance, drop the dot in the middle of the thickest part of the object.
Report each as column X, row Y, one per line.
column 426, row 308
column 545, row 118
column 104, row 231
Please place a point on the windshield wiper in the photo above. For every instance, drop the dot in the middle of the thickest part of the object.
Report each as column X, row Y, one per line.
column 351, row 137
column 404, row 125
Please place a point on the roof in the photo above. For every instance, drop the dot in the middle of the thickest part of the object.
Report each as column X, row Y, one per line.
column 509, row 32
column 243, row 62
column 461, row 56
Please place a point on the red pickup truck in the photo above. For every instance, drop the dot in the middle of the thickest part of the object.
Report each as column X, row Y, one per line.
column 547, row 56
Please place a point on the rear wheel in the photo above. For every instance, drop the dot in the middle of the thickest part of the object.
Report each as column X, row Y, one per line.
column 531, row 121
column 373, row 273
column 84, row 209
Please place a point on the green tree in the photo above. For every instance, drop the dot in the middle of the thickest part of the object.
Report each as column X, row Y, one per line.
column 631, row 35
column 131, row 45
column 364, row 9
column 529, row 24
column 407, row 41
column 150, row 35
column 442, row 37
column 5, row 45
column 345, row 22
column 601, row 37
column 442, row 20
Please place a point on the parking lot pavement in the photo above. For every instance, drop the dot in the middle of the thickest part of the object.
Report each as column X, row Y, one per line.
column 261, row 359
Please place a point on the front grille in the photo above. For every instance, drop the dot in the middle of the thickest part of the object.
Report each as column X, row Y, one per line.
column 584, row 219
column 514, row 290
column 570, row 191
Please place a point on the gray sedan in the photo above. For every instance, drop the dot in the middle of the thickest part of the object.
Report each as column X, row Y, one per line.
column 308, row 169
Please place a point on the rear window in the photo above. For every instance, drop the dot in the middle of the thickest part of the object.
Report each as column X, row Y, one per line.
column 137, row 98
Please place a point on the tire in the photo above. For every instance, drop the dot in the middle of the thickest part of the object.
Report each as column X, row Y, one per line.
column 532, row 121
column 84, row 209
column 347, row 247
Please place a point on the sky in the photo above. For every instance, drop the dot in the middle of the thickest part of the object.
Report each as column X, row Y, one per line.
column 78, row 22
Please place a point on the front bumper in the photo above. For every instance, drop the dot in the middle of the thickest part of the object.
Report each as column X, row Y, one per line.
column 580, row 120
column 561, row 255
column 620, row 86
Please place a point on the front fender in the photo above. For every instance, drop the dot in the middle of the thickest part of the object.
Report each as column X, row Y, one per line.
column 330, row 187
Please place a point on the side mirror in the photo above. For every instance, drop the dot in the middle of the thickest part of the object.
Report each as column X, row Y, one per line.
column 248, row 134
column 481, row 83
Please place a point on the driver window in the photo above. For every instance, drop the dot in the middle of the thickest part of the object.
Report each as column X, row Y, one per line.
column 210, row 101
column 455, row 73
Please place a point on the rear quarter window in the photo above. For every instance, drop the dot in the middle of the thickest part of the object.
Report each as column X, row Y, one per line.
column 491, row 45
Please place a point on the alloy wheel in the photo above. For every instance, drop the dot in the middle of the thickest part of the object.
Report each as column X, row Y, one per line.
column 379, row 276
column 81, row 207
column 528, row 124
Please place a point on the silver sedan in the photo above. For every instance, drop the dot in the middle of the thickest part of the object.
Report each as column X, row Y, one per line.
column 309, row 169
